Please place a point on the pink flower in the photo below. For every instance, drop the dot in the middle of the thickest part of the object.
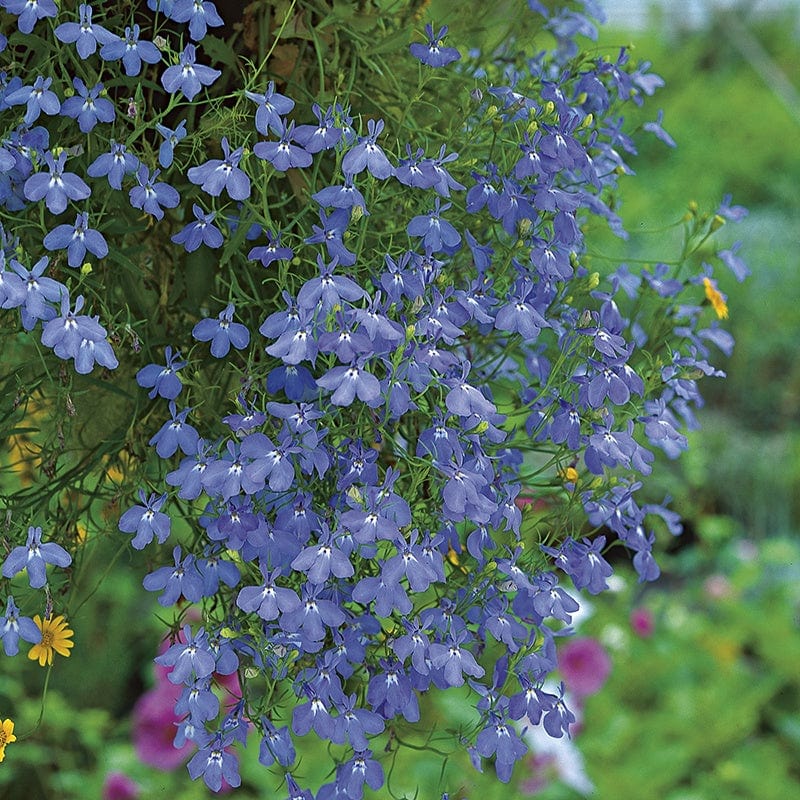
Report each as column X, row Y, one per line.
column 584, row 665
column 118, row 786
column 154, row 728
column 642, row 622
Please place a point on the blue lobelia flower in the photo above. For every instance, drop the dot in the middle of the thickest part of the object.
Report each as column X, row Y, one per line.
column 85, row 35
column 276, row 745
column 13, row 627
column 198, row 702
column 64, row 334
column 348, row 382
column 215, row 761
column 273, row 251
column 222, row 333
column 171, row 138
column 346, row 196
column 283, row 154
column 187, row 76
column 131, row 50
column 331, row 234
column 328, row 289
column 218, row 174
column 146, row 521
column 500, row 739
column 33, row 557
column 37, row 98
column 57, row 186
column 77, row 239
column 322, row 136
column 13, row 292
column 367, row 154
column 114, row 165
column 201, row 231
column 437, row 233
column 182, row 579
column 190, row 657
column 359, row 770
column 94, row 350
column 200, row 14
column 150, row 194
column 40, row 292
column 87, row 107
column 29, row 12
column 271, row 106
column 175, row 433
column 162, row 381
column 434, row 53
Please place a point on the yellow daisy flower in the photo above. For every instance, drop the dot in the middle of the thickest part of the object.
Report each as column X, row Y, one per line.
column 6, row 736
column 716, row 298
column 56, row 635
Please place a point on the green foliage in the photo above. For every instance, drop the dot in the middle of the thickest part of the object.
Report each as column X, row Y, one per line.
column 709, row 706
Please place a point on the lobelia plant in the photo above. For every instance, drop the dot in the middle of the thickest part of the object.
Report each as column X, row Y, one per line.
column 428, row 409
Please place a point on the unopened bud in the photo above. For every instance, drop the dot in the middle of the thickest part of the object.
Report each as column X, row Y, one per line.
column 86, row 268
column 717, row 222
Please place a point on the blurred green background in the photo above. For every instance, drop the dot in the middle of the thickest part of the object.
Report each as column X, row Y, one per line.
column 708, row 705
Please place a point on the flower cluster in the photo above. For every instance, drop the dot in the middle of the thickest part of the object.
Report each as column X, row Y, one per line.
column 423, row 401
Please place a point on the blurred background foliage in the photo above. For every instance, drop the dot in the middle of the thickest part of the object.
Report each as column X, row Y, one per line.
column 708, row 706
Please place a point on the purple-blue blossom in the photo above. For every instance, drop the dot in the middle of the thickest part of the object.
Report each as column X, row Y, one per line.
column 87, row 107
column 322, row 136
column 162, row 381
column 146, row 521
column 175, row 433
column 114, row 165
column 272, row 106
column 14, row 627
column 433, row 52
column 223, row 333
column 65, row 333
column 131, row 50
column 368, row 154
column 40, row 292
column 56, row 187
column 37, row 99
column 218, row 174
column 76, row 239
column 85, row 35
column 187, row 76
column 180, row 580
column 29, row 12
column 166, row 152
column 33, row 557
column 200, row 14
column 201, row 231
column 437, row 233
column 283, row 154
column 151, row 194
column 215, row 761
